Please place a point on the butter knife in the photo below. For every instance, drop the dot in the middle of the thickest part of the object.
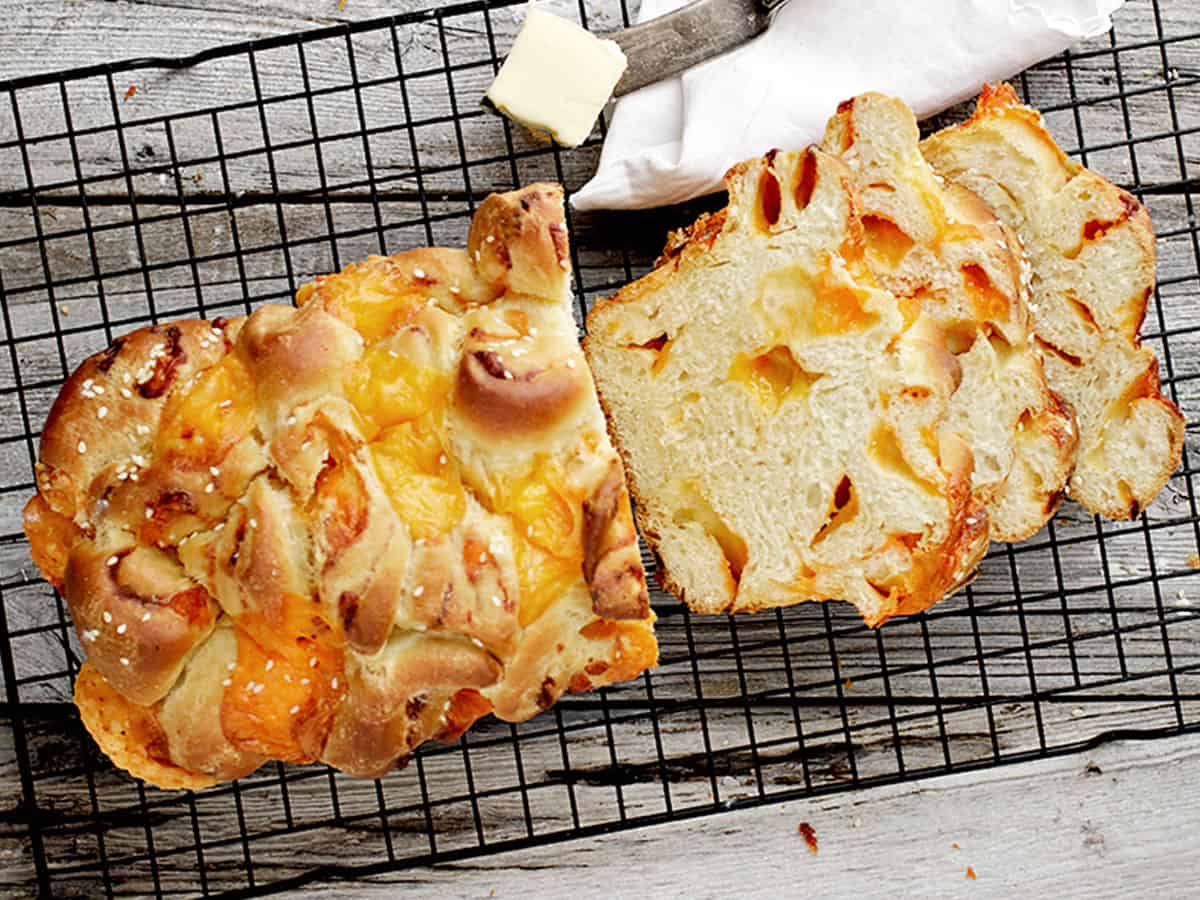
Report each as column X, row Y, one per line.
column 669, row 44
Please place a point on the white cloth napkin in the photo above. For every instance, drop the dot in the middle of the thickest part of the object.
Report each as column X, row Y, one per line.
column 674, row 140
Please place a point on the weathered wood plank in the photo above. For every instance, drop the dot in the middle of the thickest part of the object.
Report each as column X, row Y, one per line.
column 1110, row 824
column 178, row 156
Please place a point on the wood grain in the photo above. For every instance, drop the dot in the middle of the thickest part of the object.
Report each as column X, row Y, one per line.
column 804, row 699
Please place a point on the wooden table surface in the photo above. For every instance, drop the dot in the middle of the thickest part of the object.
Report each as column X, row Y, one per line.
column 1122, row 819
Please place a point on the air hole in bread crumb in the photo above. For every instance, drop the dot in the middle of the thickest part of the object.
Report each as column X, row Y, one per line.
column 660, row 346
column 806, row 180
column 769, row 202
column 960, row 336
column 698, row 510
column 885, row 451
column 842, row 509
column 1081, row 309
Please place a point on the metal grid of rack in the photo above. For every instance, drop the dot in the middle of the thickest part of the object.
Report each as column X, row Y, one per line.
column 155, row 189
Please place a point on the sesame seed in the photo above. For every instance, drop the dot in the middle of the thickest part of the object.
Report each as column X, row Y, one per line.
column 87, row 383
column 476, row 256
column 496, row 600
column 483, row 557
column 477, row 642
column 491, row 239
column 127, row 394
column 146, row 617
column 122, row 628
column 442, row 459
column 305, row 681
column 124, row 660
column 214, row 471
column 446, row 707
column 519, row 351
column 528, row 531
column 82, row 448
column 258, row 688
column 99, row 389
column 306, row 445
column 112, row 561
column 294, row 710
column 570, row 363
column 102, row 412
column 419, row 542
column 287, row 678
column 333, row 683
column 143, row 429
column 209, row 488
column 454, row 289
column 107, row 617
column 89, row 636
column 231, row 667
column 418, row 273
column 138, row 459
column 270, row 665
column 219, row 526
column 253, row 523
column 226, row 681
column 312, row 662
column 418, row 590
column 225, row 403
column 533, row 331
column 291, row 420
column 133, row 476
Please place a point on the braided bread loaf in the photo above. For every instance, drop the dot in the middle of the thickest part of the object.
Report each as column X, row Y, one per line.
column 796, row 447
column 1091, row 248
column 334, row 532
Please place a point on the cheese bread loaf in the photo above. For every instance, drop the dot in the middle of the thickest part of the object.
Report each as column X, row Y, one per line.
column 336, row 531
column 1091, row 248
column 782, row 417
column 935, row 244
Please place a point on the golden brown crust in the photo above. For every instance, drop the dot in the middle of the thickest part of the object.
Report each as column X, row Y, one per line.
column 332, row 533
column 129, row 735
column 612, row 565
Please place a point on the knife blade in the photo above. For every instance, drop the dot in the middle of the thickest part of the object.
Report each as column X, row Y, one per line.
column 669, row 44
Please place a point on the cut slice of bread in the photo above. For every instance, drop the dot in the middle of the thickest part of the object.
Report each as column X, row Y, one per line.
column 1091, row 248
column 781, row 416
column 937, row 245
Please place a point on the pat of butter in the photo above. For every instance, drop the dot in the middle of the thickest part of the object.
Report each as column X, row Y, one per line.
column 557, row 78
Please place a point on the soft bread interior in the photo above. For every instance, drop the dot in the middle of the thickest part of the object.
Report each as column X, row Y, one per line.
column 781, row 416
column 938, row 247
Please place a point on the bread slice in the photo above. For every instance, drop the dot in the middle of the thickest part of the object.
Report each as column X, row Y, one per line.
column 936, row 244
column 781, row 418
column 1091, row 248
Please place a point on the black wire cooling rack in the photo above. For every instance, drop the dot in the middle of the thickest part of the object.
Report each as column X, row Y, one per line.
column 157, row 188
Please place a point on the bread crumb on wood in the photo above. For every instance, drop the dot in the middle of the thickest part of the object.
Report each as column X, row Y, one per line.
column 132, row 89
column 1194, row 560
column 810, row 836
column 956, row 846
column 971, row 872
